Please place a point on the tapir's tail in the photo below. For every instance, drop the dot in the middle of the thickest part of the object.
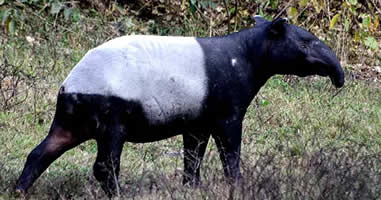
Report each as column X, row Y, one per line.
column 54, row 145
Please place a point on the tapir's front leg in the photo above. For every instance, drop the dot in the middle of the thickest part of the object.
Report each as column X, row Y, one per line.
column 228, row 140
column 107, row 165
column 54, row 145
column 194, row 150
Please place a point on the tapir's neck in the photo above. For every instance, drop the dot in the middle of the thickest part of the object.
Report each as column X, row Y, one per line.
column 256, row 53
column 235, row 62
column 252, row 46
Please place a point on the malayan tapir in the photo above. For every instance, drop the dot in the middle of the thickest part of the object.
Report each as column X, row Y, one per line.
column 148, row 88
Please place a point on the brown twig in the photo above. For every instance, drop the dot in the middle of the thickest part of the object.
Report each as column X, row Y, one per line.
column 228, row 13
column 375, row 6
column 282, row 11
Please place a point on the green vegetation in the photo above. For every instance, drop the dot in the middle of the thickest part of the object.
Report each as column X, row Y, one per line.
column 303, row 139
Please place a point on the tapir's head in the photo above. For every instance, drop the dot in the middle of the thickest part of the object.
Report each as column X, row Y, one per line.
column 293, row 50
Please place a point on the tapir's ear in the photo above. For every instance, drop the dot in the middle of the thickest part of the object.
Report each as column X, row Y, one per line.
column 259, row 20
column 277, row 26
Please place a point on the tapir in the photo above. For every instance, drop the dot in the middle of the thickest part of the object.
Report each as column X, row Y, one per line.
column 143, row 89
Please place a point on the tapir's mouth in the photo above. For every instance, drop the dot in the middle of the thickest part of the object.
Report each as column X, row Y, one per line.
column 337, row 81
column 332, row 69
column 337, row 76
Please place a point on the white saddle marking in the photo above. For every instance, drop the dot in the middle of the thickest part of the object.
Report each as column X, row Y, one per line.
column 165, row 74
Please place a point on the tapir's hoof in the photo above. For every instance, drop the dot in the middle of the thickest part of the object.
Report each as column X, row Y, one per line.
column 192, row 182
column 19, row 193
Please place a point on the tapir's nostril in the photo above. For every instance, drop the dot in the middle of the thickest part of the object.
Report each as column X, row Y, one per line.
column 337, row 80
column 340, row 83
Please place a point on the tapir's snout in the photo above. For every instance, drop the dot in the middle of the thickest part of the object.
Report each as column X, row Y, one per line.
column 337, row 77
column 335, row 71
column 327, row 64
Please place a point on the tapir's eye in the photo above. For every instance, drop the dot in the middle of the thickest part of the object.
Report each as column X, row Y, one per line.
column 304, row 46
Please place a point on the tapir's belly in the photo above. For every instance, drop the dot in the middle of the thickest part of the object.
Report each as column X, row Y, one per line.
column 152, row 133
column 143, row 131
column 166, row 75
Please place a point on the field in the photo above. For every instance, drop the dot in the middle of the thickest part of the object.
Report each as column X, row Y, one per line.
column 303, row 139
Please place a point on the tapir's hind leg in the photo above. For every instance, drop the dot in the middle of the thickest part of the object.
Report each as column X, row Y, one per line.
column 107, row 165
column 54, row 145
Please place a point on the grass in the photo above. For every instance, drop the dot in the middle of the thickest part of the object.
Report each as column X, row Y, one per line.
column 301, row 131
column 303, row 139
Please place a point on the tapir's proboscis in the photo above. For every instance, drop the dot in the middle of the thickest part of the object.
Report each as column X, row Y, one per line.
column 147, row 88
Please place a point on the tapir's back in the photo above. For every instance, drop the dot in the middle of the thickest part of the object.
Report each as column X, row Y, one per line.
column 165, row 74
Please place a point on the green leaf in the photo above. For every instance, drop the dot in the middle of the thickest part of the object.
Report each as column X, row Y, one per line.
column 56, row 7
column 203, row 4
column 212, row 4
column 357, row 36
column 267, row 4
column 292, row 13
column 192, row 6
column 75, row 15
column 274, row 4
column 303, row 3
column 6, row 14
column 334, row 21
column 261, row 12
column 366, row 21
column 67, row 13
column 353, row 2
column 346, row 24
column 232, row 10
column 128, row 22
column 265, row 102
column 371, row 42
column 12, row 27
